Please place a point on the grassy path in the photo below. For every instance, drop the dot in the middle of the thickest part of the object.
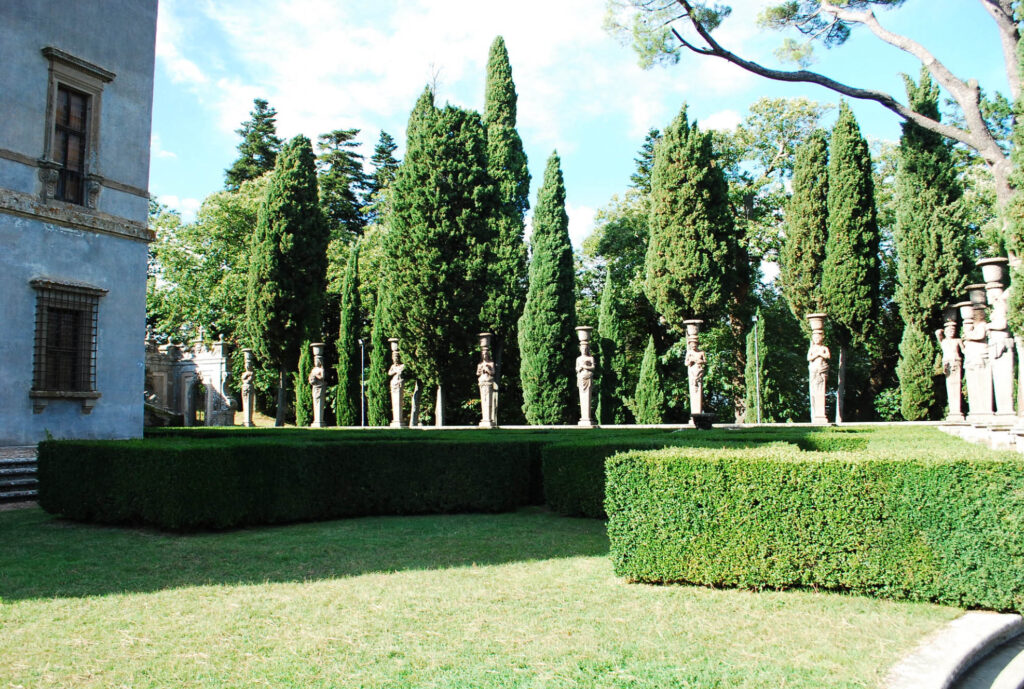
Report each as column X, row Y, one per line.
column 513, row 600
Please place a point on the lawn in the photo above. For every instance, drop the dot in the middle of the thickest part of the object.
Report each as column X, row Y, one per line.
column 525, row 599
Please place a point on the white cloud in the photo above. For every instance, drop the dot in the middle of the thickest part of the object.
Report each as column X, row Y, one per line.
column 581, row 222
column 187, row 207
column 723, row 120
column 156, row 150
column 168, row 36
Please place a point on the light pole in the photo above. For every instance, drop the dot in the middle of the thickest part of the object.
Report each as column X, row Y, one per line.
column 362, row 385
column 757, row 372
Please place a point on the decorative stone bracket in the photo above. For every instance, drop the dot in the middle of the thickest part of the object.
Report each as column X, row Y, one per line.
column 41, row 398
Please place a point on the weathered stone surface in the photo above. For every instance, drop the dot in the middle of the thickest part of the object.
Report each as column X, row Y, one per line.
column 585, row 367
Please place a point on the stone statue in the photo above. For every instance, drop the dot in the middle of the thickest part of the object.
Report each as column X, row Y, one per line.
column 952, row 367
column 1000, row 349
column 696, row 365
column 818, row 356
column 316, row 380
column 395, row 372
column 976, row 366
column 585, row 366
column 248, row 389
column 485, row 381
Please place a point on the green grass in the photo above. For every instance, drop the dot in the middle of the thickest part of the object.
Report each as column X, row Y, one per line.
column 525, row 599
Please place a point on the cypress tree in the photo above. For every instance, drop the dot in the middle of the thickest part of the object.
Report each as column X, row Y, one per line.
column 691, row 263
column 649, row 400
column 258, row 150
column 506, row 261
column 931, row 245
column 850, row 273
column 303, row 391
column 757, row 357
column 611, row 345
column 435, row 247
column 348, row 399
column 378, row 406
column 547, row 327
column 803, row 252
column 288, row 264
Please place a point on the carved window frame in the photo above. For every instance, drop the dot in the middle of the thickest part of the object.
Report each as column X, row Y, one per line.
column 81, row 301
column 75, row 74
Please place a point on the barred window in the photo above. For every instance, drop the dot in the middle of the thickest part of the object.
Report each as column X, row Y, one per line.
column 65, row 342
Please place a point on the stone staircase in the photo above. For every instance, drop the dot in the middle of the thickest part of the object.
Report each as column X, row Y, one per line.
column 18, row 474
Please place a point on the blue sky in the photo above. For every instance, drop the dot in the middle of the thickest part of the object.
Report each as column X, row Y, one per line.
column 333, row 64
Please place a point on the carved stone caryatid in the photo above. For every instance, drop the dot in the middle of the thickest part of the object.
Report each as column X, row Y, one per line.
column 818, row 357
column 1000, row 342
column 395, row 372
column 316, row 380
column 952, row 365
column 248, row 389
column 485, row 381
column 585, row 367
column 696, row 366
column 976, row 364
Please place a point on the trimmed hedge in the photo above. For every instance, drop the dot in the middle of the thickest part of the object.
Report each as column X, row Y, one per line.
column 893, row 520
column 185, row 485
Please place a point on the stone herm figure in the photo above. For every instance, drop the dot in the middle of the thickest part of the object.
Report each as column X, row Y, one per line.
column 248, row 389
column 395, row 373
column 696, row 365
column 952, row 367
column 585, row 366
column 818, row 357
column 485, row 381
column 976, row 364
column 316, row 381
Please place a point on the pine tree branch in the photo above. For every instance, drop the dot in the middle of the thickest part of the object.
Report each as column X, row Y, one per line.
column 1009, row 35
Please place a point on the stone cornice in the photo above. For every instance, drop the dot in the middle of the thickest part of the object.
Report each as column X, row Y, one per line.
column 94, row 71
column 14, row 156
column 70, row 215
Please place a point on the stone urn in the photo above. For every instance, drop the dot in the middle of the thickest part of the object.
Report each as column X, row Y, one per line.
column 994, row 269
column 966, row 310
column 977, row 295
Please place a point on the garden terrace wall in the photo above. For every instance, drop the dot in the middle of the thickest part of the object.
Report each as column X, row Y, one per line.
column 887, row 521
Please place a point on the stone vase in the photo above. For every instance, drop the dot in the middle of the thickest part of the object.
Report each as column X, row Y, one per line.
column 994, row 269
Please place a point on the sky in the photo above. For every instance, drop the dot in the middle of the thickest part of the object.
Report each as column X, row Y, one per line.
column 339, row 64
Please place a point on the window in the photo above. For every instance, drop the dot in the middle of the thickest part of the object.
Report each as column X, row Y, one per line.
column 69, row 166
column 65, row 342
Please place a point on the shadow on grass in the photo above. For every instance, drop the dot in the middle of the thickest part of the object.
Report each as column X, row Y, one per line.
column 44, row 557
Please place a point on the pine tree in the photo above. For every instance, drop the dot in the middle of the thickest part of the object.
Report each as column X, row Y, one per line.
column 611, row 346
column 385, row 165
column 435, row 247
column 547, row 327
column 342, row 183
column 378, row 409
column 641, row 179
column 757, row 356
column 347, row 405
column 931, row 244
column 506, row 261
column 259, row 148
column 288, row 264
column 692, row 257
column 850, row 273
column 803, row 252
column 303, row 391
column 649, row 400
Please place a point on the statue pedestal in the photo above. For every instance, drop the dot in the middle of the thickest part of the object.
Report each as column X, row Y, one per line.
column 586, row 423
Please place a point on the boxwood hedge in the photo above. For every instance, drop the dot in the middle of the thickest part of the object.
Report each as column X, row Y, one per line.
column 892, row 520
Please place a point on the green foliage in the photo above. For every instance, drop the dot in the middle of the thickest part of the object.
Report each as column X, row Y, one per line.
column 303, row 391
column 347, row 401
column 850, row 273
column 649, row 399
column 803, row 254
column 435, row 246
column 343, row 183
column 784, row 394
column 385, row 167
column 916, row 371
column 612, row 392
column 547, row 327
column 641, row 178
column 378, row 396
column 692, row 261
column 200, row 484
column 893, row 522
column 288, row 263
column 757, row 358
column 259, row 148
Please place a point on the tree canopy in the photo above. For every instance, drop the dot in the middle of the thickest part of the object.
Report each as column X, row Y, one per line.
column 259, row 147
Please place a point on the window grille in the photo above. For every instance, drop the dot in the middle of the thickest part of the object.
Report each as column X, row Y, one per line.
column 65, row 343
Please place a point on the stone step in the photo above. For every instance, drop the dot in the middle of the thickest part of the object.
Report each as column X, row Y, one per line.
column 17, row 470
column 18, row 495
column 18, row 483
